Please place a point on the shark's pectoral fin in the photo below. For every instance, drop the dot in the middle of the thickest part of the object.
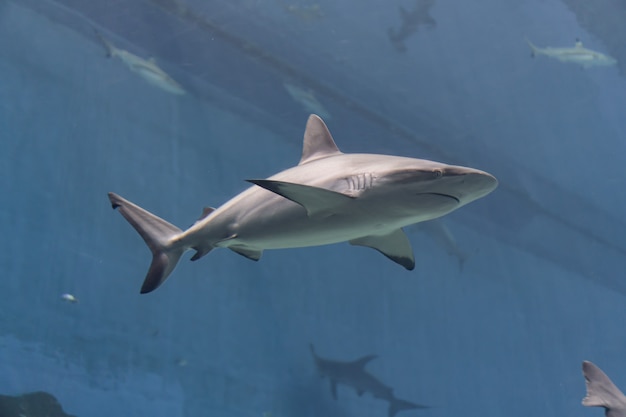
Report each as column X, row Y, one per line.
column 361, row 362
column 333, row 388
column 314, row 199
column 251, row 254
column 395, row 246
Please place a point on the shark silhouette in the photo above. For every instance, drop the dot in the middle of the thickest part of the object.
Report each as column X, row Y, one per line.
column 411, row 22
column 354, row 375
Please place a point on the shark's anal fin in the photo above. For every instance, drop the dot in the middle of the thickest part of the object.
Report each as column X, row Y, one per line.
column 252, row 254
column 333, row 388
column 314, row 199
column 395, row 246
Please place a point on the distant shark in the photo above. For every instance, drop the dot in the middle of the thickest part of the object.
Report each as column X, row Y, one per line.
column 307, row 99
column 354, row 375
column 578, row 55
column 410, row 23
column 329, row 197
column 145, row 68
column 601, row 392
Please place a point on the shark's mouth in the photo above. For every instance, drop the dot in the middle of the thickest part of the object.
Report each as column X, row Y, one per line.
column 443, row 195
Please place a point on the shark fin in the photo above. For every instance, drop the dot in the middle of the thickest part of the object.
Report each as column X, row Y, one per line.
column 396, row 404
column 158, row 235
column 111, row 51
column 601, row 392
column 314, row 199
column 395, row 246
column 361, row 362
column 252, row 254
column 205, row 213
column 579, row 43
column 333, row 388
column 318, row 142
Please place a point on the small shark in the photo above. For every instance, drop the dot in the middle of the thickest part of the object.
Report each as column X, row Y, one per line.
column 329, row 197
column 353, row 374
column 410, row 23
column 601, row 392
column 307, row 99
column 145, row 68
column 578, row 55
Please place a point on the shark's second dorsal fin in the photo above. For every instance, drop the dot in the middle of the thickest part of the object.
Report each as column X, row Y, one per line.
column 318, row 142
column 361, row 362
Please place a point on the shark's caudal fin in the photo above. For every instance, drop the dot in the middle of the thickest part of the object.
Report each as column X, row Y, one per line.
column 533, row 49
column 111, row 50
column 158, row 235
column 601, row 392
column 396, row 404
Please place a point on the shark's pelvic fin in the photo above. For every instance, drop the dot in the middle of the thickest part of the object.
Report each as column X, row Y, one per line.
column 252, row 254
column 314, row 199
column 601, row 392
column 395, row 246
column 158, row 235
column 318, row 142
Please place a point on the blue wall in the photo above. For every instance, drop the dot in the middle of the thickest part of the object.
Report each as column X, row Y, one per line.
column 226, row 336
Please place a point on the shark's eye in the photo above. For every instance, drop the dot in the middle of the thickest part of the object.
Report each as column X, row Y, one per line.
column 437, row 173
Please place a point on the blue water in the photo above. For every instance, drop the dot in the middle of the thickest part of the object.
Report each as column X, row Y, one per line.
column 542, row 287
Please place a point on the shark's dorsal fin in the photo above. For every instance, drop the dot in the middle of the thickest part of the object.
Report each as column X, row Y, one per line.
column 361, row 362
column 395, row 246
column 579, row 43
column 601, row 392
column 205, row 212
column 318, row 142
column 314, row 199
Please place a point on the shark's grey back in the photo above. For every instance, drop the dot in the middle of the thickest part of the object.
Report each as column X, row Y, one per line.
column 601, row 392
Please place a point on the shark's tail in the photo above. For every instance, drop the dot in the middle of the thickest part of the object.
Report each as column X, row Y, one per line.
column 396, row 404
column 534, row 51
column 158, row 234
column 111, row 50
column 601, row 392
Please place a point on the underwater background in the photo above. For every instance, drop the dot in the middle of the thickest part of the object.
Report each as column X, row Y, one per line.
column 510, row 294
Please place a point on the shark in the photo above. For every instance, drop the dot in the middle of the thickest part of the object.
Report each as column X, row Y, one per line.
column 354, row 375
column 410, row 23
column 602, row 392
column 577, row 55
column 145, row 68
column 329, row 197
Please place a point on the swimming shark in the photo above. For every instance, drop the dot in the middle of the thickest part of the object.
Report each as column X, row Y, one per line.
column 329, row 197
column 145, row 68
column 307, row 99
column 601, row 392
column 354, row 375
column 410, row 23
column 578, row 55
